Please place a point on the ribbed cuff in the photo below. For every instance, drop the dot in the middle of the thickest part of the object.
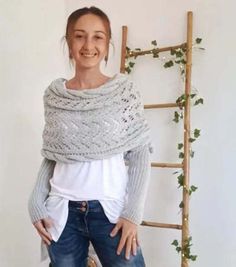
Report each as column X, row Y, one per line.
column 37, row 212
column 138, row 181
column 36, row 206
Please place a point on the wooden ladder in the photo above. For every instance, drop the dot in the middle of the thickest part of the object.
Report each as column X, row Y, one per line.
column 185, row 165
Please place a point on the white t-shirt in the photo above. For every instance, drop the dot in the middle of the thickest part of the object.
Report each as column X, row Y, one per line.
column 104, row 180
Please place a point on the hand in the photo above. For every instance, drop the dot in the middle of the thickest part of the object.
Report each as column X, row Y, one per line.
column 41, row 226
column 129, row 236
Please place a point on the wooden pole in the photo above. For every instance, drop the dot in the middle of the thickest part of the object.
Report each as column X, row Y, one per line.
column 164, row 105
column 158, row 50
column 167, row 165
column 123, row 48
column 186, row 169
column 162, row 225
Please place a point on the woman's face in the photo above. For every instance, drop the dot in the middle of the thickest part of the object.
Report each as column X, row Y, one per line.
column 89, row 41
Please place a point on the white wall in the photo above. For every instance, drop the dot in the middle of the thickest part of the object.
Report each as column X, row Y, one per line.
column 32, row 56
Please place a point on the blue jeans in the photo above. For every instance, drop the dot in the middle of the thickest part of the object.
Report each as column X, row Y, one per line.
column 87, row 222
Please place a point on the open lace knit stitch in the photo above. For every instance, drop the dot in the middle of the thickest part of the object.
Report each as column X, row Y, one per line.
column 90, row 124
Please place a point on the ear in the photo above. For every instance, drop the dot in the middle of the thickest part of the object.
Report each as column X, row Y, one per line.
column 70, row 54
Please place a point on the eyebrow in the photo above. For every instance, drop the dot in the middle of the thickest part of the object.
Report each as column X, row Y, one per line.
column 84, row 31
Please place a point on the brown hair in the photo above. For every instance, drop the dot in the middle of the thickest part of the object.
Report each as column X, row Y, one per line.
column 74, row 16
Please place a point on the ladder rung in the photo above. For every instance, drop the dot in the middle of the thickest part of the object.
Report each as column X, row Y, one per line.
column 162, row 225
column 167, row 165
column 161, row 49
column 165, row 105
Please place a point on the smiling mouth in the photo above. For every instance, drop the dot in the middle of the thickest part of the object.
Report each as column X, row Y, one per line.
column 88, row 55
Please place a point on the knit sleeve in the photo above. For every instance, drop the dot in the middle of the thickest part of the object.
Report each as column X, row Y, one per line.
column 138, row 180
column 36, row 207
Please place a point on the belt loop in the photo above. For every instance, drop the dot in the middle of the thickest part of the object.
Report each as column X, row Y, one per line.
column 87, row 205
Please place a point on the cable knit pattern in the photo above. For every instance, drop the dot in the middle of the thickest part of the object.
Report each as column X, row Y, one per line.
column 90, row 124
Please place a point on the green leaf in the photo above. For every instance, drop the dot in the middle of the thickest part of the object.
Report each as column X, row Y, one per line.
column 180, row 145
column 172, row 51
column 169, row 64
column 198, row 40
column 198, row 101
column 191, row 154
column 181, row 155
column 137, row 49
column 181, row 99
column 176, row 172
column 155, row 54
column 179, row 53
column 193, row 188
column 180, row 180
column 154, row 42
column 192, row 95
column 127, row 69
column 131, row 64
column 175, row 243
column 181, row 205
column 193, row 257
column 176, row 117
column 178, row 249
column 191, row 140
column 196, row 132
column 177, row 61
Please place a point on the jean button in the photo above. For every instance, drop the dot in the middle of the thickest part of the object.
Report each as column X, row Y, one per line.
column 83, row 203
column 83, row 209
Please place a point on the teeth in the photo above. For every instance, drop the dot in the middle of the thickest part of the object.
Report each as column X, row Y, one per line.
column 88, row 55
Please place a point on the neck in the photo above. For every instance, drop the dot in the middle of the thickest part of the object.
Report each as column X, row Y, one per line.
column 88, row 78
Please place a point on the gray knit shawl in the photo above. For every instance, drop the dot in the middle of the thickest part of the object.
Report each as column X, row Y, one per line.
column 92, row 124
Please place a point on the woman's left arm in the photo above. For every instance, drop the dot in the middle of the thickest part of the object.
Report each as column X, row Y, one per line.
column 138, row 181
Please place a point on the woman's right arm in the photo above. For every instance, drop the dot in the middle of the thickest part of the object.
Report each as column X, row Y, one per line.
column 36, row 206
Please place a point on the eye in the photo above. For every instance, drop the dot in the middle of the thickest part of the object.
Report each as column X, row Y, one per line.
column 98, row 37
column 78, row 36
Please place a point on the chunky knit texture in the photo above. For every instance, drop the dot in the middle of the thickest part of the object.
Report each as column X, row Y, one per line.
column 90, row 124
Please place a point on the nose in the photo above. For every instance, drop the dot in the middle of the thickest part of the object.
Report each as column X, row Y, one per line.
column 88, row 44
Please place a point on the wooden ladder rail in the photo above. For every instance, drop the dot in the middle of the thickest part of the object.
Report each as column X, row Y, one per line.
column 184, row 227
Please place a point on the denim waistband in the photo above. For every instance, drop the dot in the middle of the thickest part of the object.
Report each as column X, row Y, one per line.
column 91, row 205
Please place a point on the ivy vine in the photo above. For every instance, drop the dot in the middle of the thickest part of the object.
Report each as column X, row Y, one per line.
column 177, row 57
column 185, row 250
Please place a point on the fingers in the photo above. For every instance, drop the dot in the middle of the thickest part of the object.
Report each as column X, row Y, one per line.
column 129, row 237
column 121, row 244
column 42, row 231
column 137, row 241
column 134, row 246
column 130, row 243
column 128, row 247
column 123, row 237
column 45, row 239
column 47, row 222
column 115, row 230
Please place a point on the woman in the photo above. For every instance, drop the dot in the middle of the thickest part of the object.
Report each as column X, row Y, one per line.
column 93, row 124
